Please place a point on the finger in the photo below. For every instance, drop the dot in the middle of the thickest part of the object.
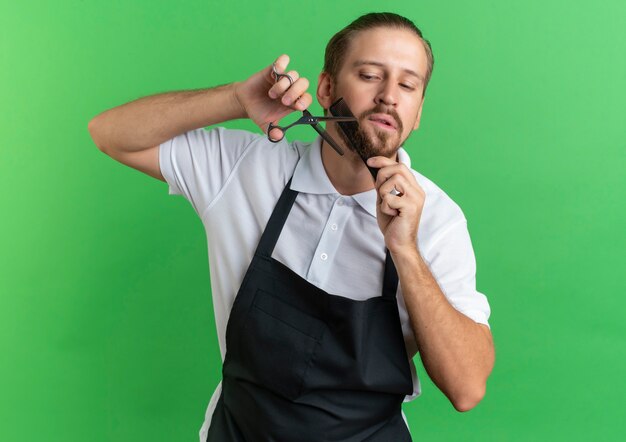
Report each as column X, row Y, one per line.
column 283, row 84
column 397, row 182
column 281, row 64
column 387, row 172
column 380, row 161
column 297, row 88
column 303, row 101
column 276, row 134
column 388, row 201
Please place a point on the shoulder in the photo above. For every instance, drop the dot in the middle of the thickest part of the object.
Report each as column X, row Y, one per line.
column 260, row 149
column 265, row 159
column 438, row 205
column 437, row 199
column 262, row 168
column 440, row 212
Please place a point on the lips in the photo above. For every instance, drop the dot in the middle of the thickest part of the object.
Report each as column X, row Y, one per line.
column 384, row 120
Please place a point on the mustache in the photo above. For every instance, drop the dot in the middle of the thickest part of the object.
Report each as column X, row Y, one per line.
column 382, row 110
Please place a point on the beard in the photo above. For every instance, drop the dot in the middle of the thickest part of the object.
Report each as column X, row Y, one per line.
column 380, row 142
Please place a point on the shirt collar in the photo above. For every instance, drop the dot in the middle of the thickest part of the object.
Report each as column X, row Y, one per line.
column 310, row 176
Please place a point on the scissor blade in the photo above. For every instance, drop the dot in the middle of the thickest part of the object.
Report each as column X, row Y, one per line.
column 326, row 136
column 310, row 119
column 335, row 118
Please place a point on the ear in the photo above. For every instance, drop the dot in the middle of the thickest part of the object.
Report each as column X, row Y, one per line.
column 419, row 115
column 324, row 90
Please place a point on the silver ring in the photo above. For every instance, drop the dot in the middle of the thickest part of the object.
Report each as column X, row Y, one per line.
column 394, row 191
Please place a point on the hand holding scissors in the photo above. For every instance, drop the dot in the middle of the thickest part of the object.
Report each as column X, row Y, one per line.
column 306, row 118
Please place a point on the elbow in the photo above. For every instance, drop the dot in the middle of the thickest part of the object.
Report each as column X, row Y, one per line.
column 475, row 386
column 468, row 400
column 94, row 132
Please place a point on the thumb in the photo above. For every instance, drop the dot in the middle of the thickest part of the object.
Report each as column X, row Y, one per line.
column 281, row 64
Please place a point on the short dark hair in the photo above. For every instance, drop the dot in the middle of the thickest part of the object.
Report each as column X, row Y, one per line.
column 338, row 44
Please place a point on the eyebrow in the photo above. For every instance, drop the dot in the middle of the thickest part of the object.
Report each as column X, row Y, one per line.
column 376, row 63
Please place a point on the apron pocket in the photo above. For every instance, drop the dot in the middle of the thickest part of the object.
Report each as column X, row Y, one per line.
column 278, row 343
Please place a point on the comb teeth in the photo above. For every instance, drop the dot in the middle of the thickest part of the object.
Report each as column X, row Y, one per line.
column 349, row 128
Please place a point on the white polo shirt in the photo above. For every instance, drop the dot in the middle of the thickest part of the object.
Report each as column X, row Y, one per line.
column 233, row 179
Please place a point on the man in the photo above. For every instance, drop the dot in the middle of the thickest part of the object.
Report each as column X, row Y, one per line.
column 325, row 284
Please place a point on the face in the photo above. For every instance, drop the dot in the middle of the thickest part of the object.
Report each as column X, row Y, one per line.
column 381, row 80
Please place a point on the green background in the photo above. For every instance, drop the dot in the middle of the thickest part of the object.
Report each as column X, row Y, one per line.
column 106, row 323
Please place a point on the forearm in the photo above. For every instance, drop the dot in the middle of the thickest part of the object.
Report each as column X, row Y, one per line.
column 149, row 121
column 456, row 351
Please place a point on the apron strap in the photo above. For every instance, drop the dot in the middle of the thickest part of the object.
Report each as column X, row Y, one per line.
column 276, row 222
column 390, row 283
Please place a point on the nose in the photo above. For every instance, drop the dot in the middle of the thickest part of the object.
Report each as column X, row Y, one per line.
column 387, row 94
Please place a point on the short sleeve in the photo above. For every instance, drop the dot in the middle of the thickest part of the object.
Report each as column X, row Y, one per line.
column 197, row 164
column 452, row 262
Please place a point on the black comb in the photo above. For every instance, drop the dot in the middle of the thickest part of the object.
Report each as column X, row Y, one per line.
column 349, row 128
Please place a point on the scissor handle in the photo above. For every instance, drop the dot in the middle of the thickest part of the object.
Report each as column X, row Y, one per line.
column 283, row 129
column 278, row 76
column 305, row 119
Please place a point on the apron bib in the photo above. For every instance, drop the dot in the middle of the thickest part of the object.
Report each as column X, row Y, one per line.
column 308, row 366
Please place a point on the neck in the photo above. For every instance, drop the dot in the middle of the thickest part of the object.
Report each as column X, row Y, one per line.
column 347, row 173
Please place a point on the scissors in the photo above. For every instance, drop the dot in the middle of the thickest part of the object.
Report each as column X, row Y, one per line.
column 307, row 118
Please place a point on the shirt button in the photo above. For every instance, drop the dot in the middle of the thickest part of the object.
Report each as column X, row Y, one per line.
column 324, row 256
column 334, row 227
column 340, row 203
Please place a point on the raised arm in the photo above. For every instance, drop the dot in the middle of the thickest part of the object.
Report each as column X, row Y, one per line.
column 131, row 133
